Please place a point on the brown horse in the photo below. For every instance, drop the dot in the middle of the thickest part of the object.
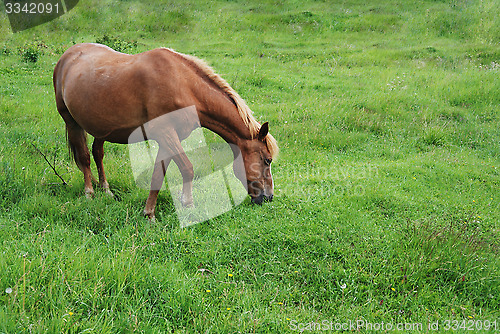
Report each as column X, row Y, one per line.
column 109, row 94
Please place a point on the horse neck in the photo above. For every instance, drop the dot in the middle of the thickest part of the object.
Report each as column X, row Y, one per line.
column 220, row 115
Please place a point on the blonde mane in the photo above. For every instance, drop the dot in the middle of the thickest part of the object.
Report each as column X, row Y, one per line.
column 243, row 109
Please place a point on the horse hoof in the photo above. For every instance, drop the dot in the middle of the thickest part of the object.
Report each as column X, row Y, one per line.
column 150, row 216
column 109, row 193
column 187, row 203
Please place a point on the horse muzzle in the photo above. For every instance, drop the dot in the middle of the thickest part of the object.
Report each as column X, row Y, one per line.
column 262, row 198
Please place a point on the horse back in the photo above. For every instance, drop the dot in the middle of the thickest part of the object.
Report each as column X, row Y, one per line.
column 109, row 94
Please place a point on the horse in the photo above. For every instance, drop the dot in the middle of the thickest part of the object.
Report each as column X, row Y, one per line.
column 109, row 95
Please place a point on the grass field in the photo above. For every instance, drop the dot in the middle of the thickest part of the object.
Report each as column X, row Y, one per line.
column 387, row 202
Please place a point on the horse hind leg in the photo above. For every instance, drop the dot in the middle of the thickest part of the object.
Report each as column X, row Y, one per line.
column 98, row 154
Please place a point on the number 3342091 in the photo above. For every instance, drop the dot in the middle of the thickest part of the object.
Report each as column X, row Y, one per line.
column 31, row 8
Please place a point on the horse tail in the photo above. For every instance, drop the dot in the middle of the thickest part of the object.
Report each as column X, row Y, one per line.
column 82, row 137
column 76, row 136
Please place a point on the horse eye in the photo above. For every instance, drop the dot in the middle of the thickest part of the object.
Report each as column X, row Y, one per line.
column 268, row 161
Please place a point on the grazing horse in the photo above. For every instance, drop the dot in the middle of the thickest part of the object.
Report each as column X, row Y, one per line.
column 109, row 94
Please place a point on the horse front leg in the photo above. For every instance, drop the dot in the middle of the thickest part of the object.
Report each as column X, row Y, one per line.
column 187, row 172
column 170, row 148
column 160, row 168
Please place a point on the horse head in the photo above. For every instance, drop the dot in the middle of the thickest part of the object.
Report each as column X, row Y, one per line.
column 255, row 174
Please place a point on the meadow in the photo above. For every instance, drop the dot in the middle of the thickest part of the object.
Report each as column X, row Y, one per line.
column 387, row 202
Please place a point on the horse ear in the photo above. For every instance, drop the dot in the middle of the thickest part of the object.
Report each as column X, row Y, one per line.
column 264, row 130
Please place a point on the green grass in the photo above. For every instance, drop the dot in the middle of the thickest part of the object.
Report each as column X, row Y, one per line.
column 386, row 205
